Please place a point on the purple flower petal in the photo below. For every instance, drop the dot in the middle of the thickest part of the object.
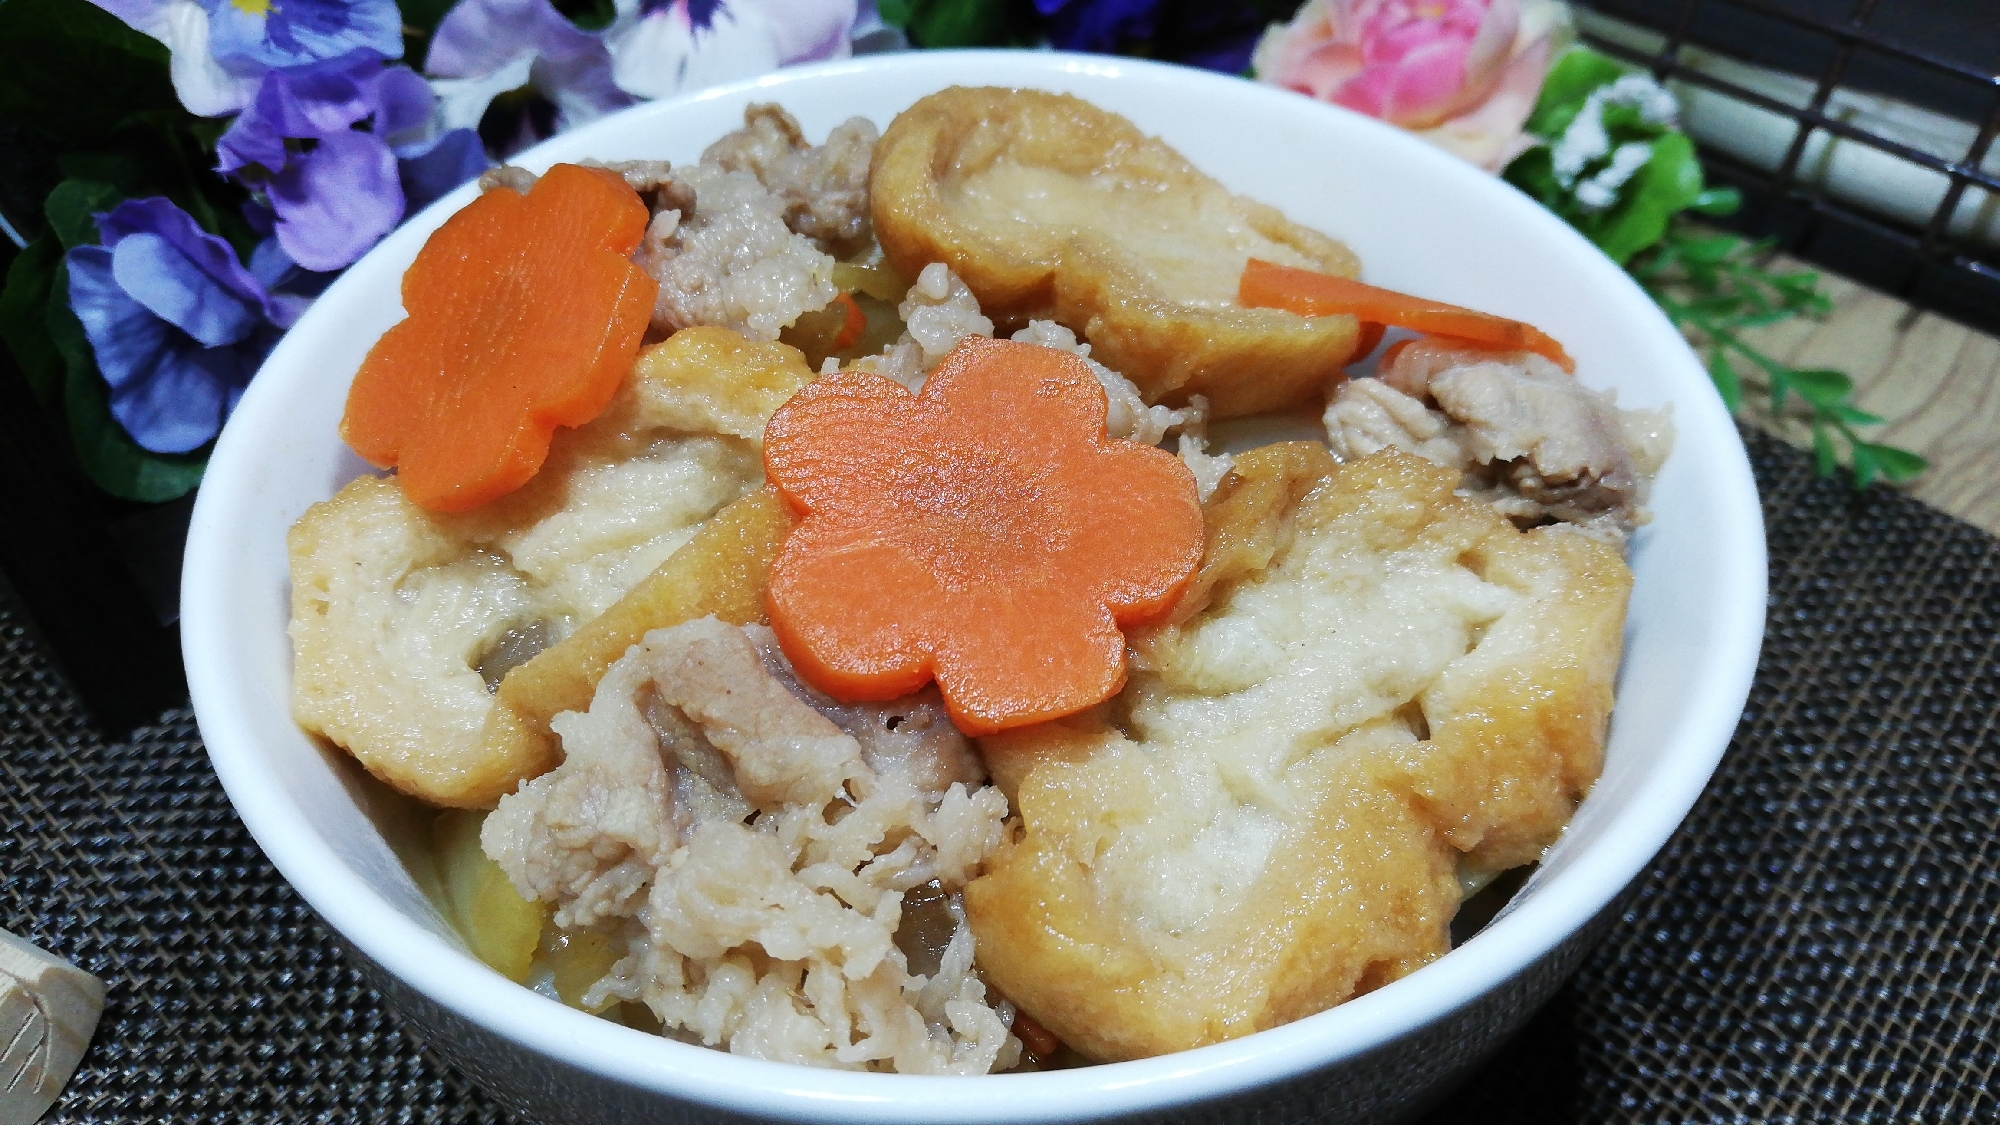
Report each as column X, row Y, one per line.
column 155, row 273
column 251, row 140
column 579, row 85
column 403, row 102
column 203, row 260
column 293, row 32
column 303, row 102
column 432, row 169
column 478, row 37
column 1099, row 25
column 324, row 99
column 485, row 47
column 167, row 391
column 270, row 264
column 179, row 403
column 336, row 201
column 176, row 322
column 292, row 287
column 123, row 334
column 823, row 29
column 137, row 14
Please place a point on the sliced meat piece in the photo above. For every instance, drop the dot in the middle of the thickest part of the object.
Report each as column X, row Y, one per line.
column 823, row 189
column 588, row 835
column 729, row 260
column 1533, row 440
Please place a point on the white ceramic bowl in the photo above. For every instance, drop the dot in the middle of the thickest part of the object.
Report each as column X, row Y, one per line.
column 1420, row 220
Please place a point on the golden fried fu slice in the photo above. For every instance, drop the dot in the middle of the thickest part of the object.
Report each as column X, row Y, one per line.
column 1380, row 687
column 1053, row 209
column 403, row 620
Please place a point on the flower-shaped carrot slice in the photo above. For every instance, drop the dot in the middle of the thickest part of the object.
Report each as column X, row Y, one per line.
column 984, row 533
column 525, row 313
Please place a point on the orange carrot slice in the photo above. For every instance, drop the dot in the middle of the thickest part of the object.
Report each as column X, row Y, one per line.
column 984, row 533
column 1267, row 285
column 851, row 328
column 525, row 313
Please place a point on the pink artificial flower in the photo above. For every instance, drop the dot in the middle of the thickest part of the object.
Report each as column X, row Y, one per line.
column 1463, row 74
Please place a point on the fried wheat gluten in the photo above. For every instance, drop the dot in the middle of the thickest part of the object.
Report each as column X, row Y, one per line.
column 1053, row 209
column 403, row 619
column 1378, row 688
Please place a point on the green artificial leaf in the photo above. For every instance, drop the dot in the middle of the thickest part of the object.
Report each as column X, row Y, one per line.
column 1715, row 287
column 1717, row 307
column 161, row 154
column 1825, row 460
column 587, row 15
column 958, row 23
column 24, row 323
column 109, row 456
column 1624, row 123
column 207, row 131
column 1781, row 385
column 127, row 171
column 74, row 72
column 73, row 206
column 1862, row 456
column 1764, row 313
column 1898, row 465
column 1825, row 389
column 1650, row 200
column 420, row 19
column 1717, row 201
column 1709, row 251
column 896, row 13
column 1727, row 384
column 1534, row 172
column 1570, row 82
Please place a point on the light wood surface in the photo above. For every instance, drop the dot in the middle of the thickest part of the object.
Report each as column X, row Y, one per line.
column 1935, row 380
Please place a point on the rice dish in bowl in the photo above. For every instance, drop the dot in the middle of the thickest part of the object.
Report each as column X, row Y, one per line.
column 1608, row 332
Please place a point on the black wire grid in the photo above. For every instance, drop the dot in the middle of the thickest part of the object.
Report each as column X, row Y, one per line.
column 1941, row 55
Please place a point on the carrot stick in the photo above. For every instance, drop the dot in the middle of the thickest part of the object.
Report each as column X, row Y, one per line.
column 855, row 324
column 1266, row 285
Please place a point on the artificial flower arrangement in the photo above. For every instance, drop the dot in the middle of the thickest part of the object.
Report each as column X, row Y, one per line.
column 214, row 163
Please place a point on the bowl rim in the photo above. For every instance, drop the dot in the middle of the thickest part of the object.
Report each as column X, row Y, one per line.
column 448, row 976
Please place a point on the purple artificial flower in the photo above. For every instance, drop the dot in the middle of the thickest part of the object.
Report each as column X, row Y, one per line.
column 1101, row 26
column 663, row 47
column 1217, row 37
column 204, row 85
column 221, row 48
column 429, row 170
column 326, row 141
column 277, row 33
column 485, row 48
column 176, row 321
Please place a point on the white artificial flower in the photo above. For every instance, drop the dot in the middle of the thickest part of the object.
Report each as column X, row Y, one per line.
column 204, row 86
column 660, row 48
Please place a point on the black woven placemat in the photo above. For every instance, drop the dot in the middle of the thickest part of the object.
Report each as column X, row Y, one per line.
column 1817, row 943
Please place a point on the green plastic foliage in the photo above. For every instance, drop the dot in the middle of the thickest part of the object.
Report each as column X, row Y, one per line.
column 1571, row 80
column 1645, row 206
column 24, row 319
column 74, row 73
column 953, row 23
